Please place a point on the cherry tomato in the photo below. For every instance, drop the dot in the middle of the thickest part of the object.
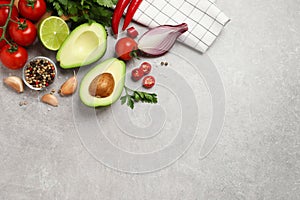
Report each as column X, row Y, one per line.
column 32, row 9
column 13, row 57
column 22, row 32
column 148, row 82
column 2, row 42
column 146, row 67
column 4, row 10
column 125, row 48
column 137, row 74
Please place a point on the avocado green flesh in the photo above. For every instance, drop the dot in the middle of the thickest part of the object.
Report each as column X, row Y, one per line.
column 117, row 69
column 85, row 44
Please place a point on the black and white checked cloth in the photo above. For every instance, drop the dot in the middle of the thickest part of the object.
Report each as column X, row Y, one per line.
column 204, row 19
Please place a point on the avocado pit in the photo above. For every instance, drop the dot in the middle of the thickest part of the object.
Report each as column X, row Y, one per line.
column 102, row 85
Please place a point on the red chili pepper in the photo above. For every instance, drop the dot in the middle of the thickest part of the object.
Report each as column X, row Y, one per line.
column 119, row 10
column 133, row 6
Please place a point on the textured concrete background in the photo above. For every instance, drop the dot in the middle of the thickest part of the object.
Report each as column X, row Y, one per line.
column 257, row 156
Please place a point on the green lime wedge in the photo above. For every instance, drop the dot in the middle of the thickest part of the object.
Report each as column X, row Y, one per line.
column 52, row 32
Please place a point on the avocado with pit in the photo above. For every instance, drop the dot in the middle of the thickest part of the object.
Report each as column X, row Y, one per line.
column 103, row 84
column 85, row 44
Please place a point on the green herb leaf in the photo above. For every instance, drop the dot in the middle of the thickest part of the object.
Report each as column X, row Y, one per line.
column 123, row 99
column 130, row 102
column 137, row 97
column 84, row 10
column 141, row 94
column 132, row 96
column 106, row 3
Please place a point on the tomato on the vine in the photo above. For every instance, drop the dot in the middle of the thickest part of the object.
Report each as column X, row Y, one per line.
column 126, row 48
column 13, row 56
column 23, row 32
column 4, row 10
column 32, row 9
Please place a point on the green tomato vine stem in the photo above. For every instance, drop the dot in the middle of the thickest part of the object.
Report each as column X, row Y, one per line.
column 4, row 28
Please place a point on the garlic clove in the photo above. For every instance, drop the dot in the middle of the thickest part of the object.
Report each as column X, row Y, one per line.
column 50, row 99
column 68, row 87
column 15, row 83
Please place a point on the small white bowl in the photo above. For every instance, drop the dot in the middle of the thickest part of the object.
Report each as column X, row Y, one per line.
column 27, row 65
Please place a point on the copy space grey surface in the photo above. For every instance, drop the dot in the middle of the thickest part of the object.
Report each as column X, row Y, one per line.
column 257, row 156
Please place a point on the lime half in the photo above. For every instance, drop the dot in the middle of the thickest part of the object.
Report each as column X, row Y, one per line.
column 52, row 32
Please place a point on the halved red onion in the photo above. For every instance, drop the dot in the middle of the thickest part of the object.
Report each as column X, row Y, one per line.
column 159, row 40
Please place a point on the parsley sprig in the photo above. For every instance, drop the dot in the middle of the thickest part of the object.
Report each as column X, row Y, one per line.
column 132, row 96
column 81, row 11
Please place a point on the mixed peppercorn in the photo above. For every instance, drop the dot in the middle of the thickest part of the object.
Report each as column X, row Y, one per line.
column 39, row 73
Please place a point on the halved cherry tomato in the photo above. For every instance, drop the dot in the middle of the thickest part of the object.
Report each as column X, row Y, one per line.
column 13, row 56
column 22, row 32
column 148, row 82
column 146, row 67
column 4, row 10
column 32, row 9
column 126, row 48
column 137, row 74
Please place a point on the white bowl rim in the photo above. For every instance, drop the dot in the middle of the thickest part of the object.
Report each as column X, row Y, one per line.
column 34, row 58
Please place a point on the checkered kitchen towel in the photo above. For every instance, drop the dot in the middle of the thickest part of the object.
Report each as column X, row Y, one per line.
column 204, row 19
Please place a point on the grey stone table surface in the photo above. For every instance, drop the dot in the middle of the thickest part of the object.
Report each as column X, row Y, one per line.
column 42, row 156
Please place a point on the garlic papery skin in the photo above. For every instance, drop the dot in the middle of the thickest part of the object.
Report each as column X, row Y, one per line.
column 15, row 83
column 50, row 99
column 68, row 87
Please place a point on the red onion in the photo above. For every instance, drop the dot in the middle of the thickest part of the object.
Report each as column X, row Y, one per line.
column 159, row 40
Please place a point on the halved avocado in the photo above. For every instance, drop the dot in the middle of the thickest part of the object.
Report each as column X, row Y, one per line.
column 103, row 84
column 85, row 45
